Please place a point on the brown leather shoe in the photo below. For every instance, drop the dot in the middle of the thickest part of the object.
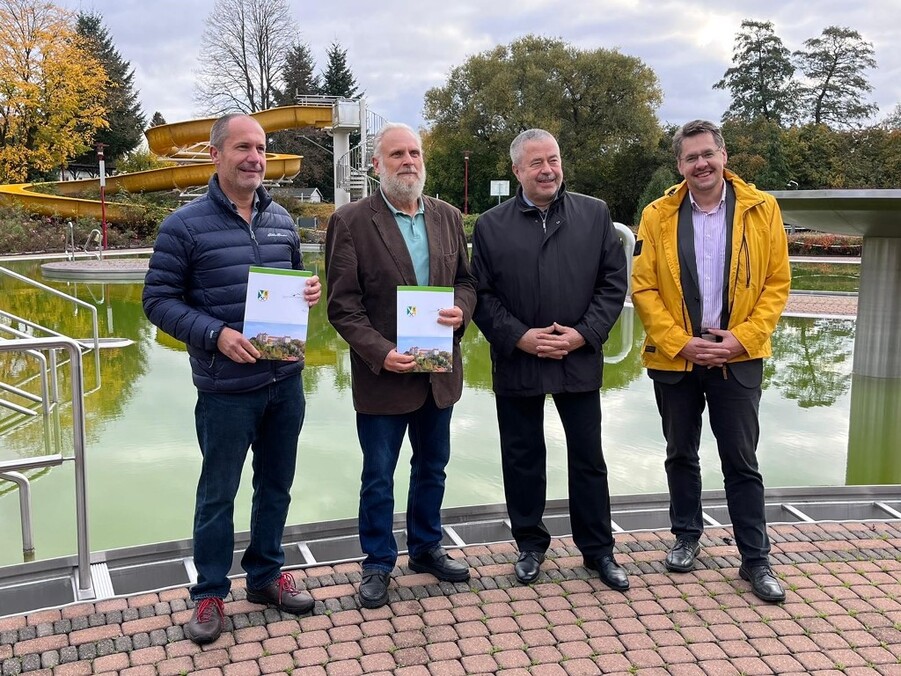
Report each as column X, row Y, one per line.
column 205, row 625
column 283, row 594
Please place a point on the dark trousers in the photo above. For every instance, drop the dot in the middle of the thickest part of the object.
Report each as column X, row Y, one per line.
column 733, row 410
column 268, row 421
column 524, row 461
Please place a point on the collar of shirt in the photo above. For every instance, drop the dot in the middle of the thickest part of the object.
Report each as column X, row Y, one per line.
column 694, row 205
column 254, row 208
column 532, row 204
column 398, row 212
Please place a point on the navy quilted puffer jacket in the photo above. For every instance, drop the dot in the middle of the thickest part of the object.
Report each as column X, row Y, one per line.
column 197, row 282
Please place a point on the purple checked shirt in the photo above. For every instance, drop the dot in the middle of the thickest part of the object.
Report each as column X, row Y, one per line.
column 710, row 254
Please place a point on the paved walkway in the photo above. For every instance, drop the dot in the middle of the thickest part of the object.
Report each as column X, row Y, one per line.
column 842, row 615
column 821, row 305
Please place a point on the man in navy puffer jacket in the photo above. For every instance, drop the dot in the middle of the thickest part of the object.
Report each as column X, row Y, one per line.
column 195, row 291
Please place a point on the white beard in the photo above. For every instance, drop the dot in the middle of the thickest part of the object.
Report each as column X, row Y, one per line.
column 397, row 188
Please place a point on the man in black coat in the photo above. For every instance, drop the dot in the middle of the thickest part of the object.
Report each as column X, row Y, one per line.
column 552, row 279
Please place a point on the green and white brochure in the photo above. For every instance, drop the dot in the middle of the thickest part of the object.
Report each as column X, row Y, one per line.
column 276, row 313
column 418, row 332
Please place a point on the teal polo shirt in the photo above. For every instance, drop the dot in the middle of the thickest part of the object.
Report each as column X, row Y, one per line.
column 413, row 230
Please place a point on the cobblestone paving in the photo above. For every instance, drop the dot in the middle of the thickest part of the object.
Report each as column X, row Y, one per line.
column 808, row 304
column 842, row 615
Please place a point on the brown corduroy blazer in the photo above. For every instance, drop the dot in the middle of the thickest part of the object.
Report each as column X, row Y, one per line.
column 366, row 259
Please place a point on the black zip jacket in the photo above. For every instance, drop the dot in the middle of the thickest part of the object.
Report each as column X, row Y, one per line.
column 566, row 265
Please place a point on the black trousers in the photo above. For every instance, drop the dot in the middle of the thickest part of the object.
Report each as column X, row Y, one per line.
column 733, row 412
column 524, row 462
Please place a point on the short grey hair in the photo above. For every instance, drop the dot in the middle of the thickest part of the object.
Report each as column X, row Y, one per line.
column 219, row 131
column 389, row 126
column 525, row 137
column 694, row 128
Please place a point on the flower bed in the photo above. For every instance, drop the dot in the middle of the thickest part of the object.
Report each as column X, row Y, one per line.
column 823, row 244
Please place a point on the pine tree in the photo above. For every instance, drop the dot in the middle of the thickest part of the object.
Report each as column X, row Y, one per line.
column 157, row 119
column 299, row 75
column 123, row 110
column 337, row 79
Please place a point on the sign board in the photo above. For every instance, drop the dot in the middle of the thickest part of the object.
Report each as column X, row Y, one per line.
column 500, row 188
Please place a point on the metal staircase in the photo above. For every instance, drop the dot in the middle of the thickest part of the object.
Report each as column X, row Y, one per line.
column 352, row 169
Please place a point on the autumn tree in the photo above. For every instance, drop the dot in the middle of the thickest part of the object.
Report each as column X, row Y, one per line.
column 760, row 80
column 834, row 66
column 244, row 47
column 600, row 104
column 49, row 85
column 123, row 110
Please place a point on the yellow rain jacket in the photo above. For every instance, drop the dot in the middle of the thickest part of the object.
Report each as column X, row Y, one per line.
column 759, row 276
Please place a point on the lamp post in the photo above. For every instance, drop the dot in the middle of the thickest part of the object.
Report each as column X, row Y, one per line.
column 466, row 181
column 102, row 162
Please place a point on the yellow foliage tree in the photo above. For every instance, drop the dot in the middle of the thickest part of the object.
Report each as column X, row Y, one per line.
column 50, row 90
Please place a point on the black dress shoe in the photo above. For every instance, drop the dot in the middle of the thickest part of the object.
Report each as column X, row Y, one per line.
column 439, row 564
column 528, row 566
column 763, row 583
column 284, row 595
column 681, row 558
column 374, row 588
column 205, row 624
column 610, row 572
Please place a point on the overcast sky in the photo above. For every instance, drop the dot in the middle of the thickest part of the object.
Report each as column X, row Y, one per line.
column 398, row 49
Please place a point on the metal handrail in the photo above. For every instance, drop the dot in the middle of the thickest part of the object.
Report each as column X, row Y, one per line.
column 627, row 237
column 95, row 326
column 24, row 509
column 84, row 583
column 48, row 396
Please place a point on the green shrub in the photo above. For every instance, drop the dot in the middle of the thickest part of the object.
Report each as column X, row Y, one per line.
column 469, row 224
column 23, row 233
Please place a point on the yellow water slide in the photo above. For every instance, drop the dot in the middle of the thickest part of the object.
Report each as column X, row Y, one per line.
column 180, row 141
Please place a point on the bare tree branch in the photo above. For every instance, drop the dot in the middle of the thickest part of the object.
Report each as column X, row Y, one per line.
column 244, row 49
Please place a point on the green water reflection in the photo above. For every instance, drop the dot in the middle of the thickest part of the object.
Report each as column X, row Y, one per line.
column 844, row 277
column 143, row 461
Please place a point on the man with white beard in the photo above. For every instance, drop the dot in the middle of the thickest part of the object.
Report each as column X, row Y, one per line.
column 398, row 237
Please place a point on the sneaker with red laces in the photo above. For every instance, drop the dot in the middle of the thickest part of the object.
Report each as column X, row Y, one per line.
column 283, row 594
column 205, row 624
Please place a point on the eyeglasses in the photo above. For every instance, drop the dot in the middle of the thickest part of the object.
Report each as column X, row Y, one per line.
column 707, row 156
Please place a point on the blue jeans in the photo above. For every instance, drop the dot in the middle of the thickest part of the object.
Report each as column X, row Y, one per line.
column 268, row 420
column 380, row 439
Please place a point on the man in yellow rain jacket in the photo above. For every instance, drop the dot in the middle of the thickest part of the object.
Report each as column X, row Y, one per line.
column 710, row 279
